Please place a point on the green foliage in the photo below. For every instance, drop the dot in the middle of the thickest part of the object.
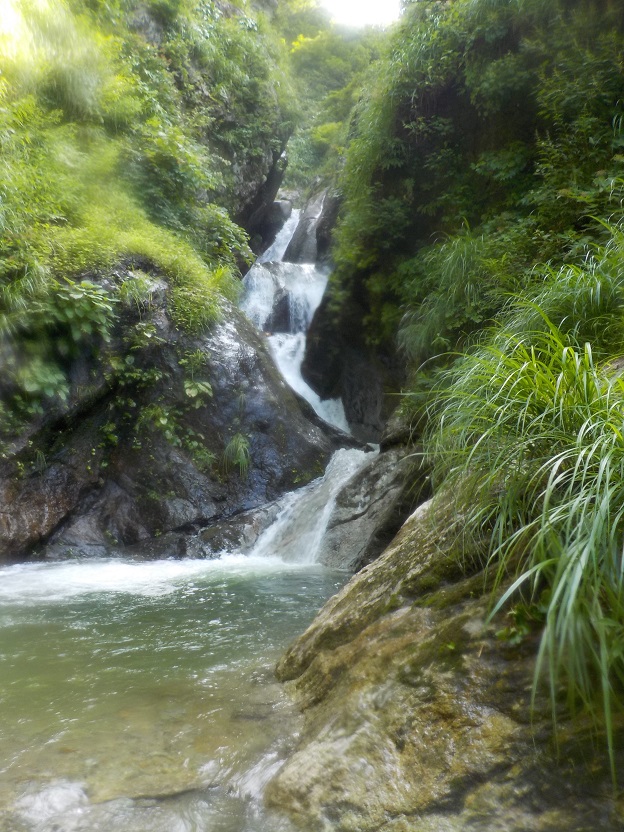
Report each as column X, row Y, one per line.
column 237, row 454
column 168, row 421
column 330, row 66
column 483, row 182
column 80, row 311
column 528, row 434
column 459, row 285
column 137, row 290
column 530, row 438
column 442, row 143
column 115, row 147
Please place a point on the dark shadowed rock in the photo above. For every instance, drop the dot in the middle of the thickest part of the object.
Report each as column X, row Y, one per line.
column 268, row 222
column 338, row 363
column 325, row 227
column 303, row 246
column 257, row 182
column 136, row 456
column 235, row 534
column 279, row 319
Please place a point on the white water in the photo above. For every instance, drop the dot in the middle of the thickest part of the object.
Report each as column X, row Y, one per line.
column 299, row 285
column 29, row 584
column 288, row 352
column 297, row 533
column 275, row 252
column 277, row 290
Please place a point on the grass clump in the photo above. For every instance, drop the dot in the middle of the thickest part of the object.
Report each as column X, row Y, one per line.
column 531, row 435
column 237, row 454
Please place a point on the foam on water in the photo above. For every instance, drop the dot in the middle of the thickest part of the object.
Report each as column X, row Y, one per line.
column 61, row 581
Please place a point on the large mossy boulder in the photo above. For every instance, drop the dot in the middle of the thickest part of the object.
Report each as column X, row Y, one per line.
column 418, row 718
column 161, row 430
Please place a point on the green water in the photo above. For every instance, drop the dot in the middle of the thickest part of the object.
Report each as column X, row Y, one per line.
column 139, row 697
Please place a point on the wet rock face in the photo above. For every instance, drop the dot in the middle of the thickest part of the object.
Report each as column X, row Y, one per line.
column 256, row 187
column 127, row 460
column 303, row 247
column 417, row 718
column 370, row 510
column 267, row 222
column 337, row 363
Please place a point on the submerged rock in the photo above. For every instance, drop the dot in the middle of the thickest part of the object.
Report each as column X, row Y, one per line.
column 417, row 718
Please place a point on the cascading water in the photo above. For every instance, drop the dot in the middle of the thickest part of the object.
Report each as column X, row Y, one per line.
column 280, row 299
column 139, row 696
column 275, row 252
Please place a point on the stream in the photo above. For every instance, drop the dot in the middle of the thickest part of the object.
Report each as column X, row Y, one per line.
column 139, row 696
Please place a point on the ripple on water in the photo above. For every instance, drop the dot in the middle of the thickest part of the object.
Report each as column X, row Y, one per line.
column 151, row 705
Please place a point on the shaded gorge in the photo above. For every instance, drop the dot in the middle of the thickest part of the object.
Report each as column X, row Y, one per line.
column 140, row 695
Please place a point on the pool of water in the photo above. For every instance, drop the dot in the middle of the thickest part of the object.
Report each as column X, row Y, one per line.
column 140, row 697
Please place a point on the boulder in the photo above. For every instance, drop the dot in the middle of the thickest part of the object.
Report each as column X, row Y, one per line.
column 235, row 534
column 303, row 246
column 418, row 718
column 370, row 510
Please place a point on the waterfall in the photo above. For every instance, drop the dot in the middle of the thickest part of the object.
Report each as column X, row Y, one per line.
column 275, row 252
column 297, row 533
column 140, row 695
column 281, row 298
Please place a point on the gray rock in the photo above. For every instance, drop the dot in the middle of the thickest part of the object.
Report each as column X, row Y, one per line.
column 303, row 246
column 370, row 510
column 127, row 461
column 418, row 718
column 239, row 533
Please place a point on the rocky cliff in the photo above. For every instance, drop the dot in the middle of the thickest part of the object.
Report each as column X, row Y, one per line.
column 161, row 430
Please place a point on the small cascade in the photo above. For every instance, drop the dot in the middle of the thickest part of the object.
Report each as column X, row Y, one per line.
column 288, row 352
column 297, row 533
column 276, row 251
column 281, row 298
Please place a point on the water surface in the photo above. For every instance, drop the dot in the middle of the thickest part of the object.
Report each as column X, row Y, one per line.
column 140, row 697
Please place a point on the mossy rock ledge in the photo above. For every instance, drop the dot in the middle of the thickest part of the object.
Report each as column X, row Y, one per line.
column 418, row 718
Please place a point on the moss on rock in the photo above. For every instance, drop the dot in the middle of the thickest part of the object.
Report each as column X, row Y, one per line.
column 417, row 717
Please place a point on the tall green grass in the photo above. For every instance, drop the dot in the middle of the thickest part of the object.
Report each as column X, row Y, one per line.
column 531, row 437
